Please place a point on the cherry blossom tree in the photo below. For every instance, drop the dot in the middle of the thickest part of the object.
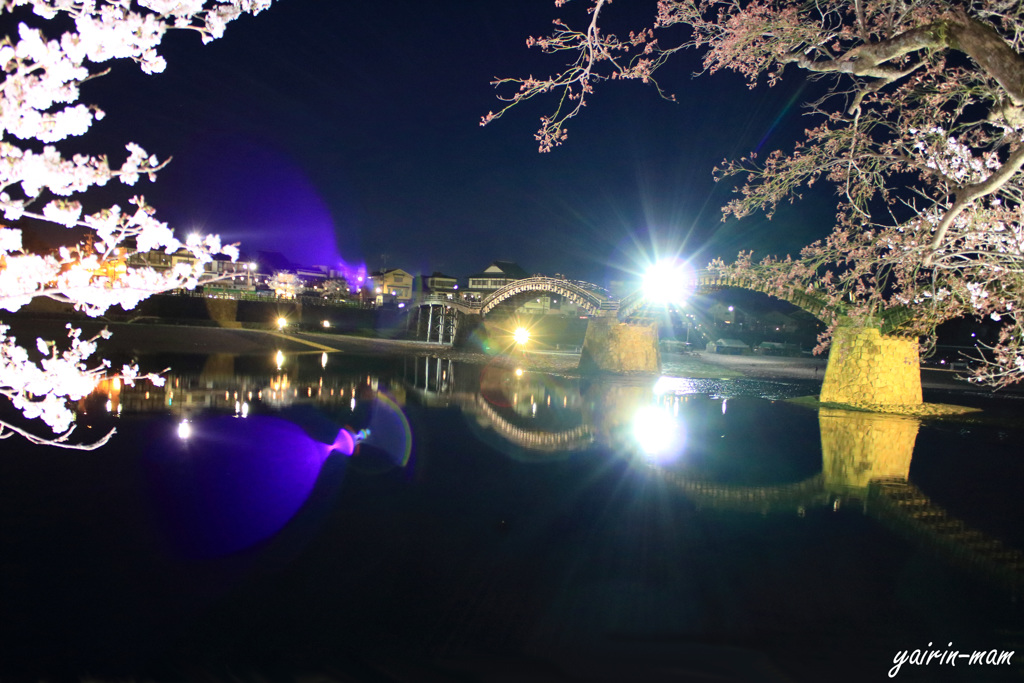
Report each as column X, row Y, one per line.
column 919, row 133
column 58, row 45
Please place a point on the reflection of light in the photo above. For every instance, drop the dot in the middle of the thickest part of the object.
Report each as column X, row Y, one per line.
column 184, row 429
column 323, row 361
column 279, row 359
column 725, row 401
column 676, row 385
column 667, row 281
column 521, row 336
column 657, row 433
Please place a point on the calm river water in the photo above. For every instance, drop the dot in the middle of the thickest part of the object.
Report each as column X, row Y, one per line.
column 496, row 525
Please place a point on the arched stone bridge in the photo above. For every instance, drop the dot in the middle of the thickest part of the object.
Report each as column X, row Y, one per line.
column 869, row 365
column 597, row 301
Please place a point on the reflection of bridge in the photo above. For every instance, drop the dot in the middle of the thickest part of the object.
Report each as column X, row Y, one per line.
column 902, row 506
column 865, row 459
column 433, row 382
column 574, row 439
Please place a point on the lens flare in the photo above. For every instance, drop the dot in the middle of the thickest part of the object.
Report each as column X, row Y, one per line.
column 668, row 281
column 231, row 483
column 659, row 434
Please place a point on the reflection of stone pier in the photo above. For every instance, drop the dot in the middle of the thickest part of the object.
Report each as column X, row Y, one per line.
column 858, row 447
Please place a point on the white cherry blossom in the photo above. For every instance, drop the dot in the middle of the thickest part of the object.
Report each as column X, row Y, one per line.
column 43, row 67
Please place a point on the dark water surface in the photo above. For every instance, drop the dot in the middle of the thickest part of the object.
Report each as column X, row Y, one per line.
column 506, row 527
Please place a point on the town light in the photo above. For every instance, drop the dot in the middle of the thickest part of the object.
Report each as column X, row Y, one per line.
column 282, row 323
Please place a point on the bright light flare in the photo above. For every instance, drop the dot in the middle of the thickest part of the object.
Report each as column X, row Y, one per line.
column 658, row 433
column 184, row 430
column 668, row 281
column 282, row 323
column 521, row 336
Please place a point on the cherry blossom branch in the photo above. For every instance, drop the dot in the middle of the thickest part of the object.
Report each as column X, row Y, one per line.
column 972, row 193
column 61, row 441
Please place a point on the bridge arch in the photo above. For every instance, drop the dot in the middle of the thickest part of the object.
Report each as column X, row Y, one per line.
column 590, row 298
column 707, row 280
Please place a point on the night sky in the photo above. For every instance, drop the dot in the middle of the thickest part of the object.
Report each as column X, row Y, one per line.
column 344, row 131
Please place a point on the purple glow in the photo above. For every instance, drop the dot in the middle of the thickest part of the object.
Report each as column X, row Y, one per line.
column 234, row 482
column 256, row 195
column 352, row 272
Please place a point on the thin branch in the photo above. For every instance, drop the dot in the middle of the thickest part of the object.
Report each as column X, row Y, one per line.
column 59, row 441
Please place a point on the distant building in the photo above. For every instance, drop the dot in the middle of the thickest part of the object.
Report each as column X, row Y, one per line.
column 439, row 284
column 393, row 285
column 735, row 347
column 495, row 276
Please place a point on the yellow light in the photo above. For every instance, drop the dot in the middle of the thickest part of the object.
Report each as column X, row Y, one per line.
column 282, row 323
column 521, row 336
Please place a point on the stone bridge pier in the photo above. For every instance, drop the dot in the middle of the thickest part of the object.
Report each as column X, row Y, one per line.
column 618, row 347
column 871, row 370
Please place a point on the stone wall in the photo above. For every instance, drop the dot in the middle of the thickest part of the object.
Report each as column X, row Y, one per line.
column 224, row 312
column 868, row 369
column 611, row 346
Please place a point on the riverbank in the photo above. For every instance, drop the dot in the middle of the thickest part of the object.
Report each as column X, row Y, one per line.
column 135, row 340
